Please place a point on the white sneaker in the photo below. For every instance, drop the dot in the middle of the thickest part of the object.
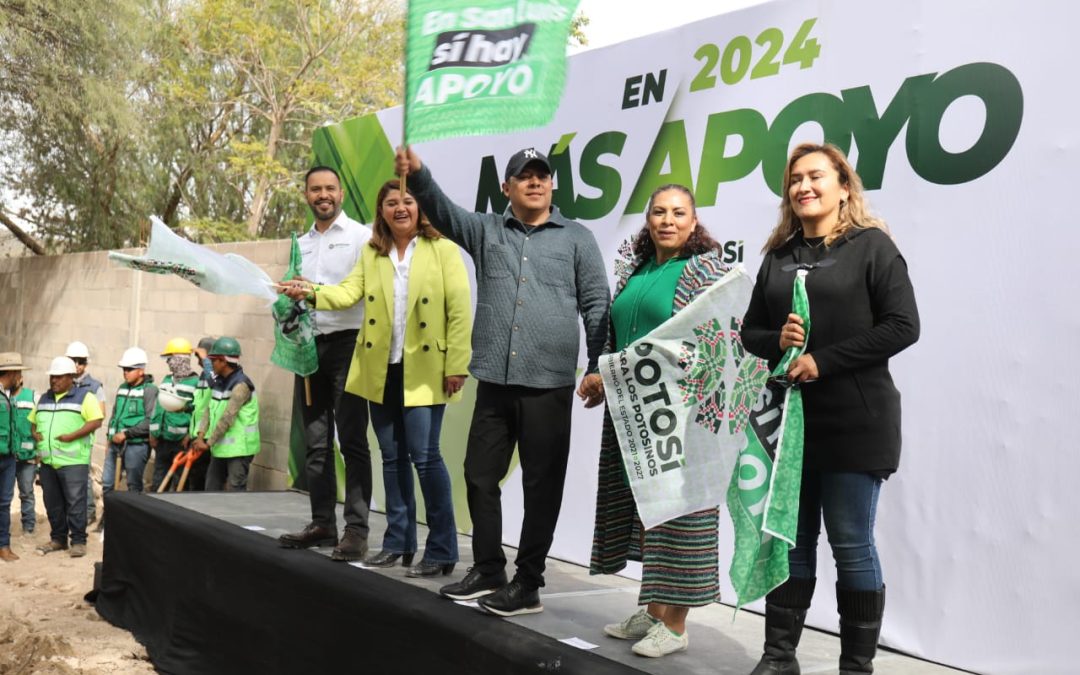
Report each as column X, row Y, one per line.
column 633, row 628
column 660, row 641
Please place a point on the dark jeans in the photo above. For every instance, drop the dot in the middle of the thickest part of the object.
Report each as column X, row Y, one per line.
column 410, row 437
column 64, row 490
column 136, row 455
column 333, row 407
column 848, row 503
column 538, row 422
column 231, row 469
column 7, row 493
column 164, row 454
column 25, row 473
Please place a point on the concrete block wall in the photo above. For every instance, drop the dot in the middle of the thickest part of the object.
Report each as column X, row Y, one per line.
column 49, row 301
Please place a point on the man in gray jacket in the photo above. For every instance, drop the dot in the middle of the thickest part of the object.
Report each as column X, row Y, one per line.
column 536, row 272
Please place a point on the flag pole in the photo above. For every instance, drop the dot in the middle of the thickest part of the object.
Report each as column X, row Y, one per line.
column 405, row 105
column 307, row 390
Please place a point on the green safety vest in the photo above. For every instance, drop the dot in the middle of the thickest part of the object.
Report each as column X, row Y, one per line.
column 24, row 405
column 202, row 402
column 58, row 417
column 242, row 438
column 173, row 426
column 129, row 409
column 9, row 440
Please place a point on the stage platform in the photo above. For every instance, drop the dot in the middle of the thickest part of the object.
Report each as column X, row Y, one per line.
column 199, row 579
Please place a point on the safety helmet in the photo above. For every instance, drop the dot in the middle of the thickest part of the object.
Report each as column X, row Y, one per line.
column 169, row 399
column 77, row 350
column 225, row 346
column 177, row 345
column 62, row 365
column 133, row 357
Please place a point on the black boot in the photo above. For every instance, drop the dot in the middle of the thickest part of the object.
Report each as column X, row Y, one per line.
column 785, row 611
column 860, row 626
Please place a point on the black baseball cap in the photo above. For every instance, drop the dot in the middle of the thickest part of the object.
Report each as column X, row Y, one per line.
column 523, row 158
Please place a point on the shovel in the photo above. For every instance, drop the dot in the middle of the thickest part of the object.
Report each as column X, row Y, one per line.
column 119, row 465
column 177, row 461
column 192, row 455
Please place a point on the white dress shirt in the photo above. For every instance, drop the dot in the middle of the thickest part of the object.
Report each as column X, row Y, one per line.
column 401, row 299
column 328, row 257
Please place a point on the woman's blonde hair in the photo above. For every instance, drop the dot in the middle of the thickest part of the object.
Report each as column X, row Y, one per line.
column 854, row 213
column 381, row 238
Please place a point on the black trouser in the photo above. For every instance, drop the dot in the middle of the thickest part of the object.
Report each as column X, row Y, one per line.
column 332, row 406
column 64, row 490
column 196, row 480
column 538, row 422
column 164, row 454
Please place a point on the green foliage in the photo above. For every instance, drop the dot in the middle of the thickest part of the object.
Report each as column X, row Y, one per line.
column 577, row 30
column 199, row 110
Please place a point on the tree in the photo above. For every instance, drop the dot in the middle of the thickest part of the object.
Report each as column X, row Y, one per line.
column 200, row 110
column 68, row 131
column 269, row 72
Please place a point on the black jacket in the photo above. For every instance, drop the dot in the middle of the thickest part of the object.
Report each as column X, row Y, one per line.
column 862, row 311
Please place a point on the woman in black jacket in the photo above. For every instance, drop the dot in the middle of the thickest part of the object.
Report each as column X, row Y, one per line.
column 862, row 311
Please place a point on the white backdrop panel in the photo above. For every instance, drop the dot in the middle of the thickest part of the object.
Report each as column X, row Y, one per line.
column 976, row 531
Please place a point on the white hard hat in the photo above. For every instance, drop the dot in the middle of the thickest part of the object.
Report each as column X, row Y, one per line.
column 77, row 350
column 62, row 365
column 133, row 358
column 168, row 398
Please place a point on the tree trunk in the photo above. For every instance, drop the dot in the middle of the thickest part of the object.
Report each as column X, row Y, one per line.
column 20, row 234
column 171, row 206
column 260, row 199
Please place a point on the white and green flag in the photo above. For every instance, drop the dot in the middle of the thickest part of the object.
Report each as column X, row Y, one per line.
column 476, row 67
column 763, row 499
column 294, row 336
column 224, row 274
column 680, row 398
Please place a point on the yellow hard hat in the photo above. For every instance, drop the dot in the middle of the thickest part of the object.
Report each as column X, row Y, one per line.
column 177, row 346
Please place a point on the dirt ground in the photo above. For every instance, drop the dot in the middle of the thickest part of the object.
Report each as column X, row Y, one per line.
column 45, row 625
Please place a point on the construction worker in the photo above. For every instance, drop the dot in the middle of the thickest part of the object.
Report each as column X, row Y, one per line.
column 63, row 424
column 26, row 459
column 231, row 429
column 11, row 368
column 129, row 425
column 79, row 353
column 197, row 474
column 169, row 430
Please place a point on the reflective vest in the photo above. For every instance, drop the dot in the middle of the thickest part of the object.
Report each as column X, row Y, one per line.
column 242, row 438
column 202, row 402
column 9, row 440
column 129, row 409
column 173, row 426
column 56, row 417
column 91, row 384
column 24, row 405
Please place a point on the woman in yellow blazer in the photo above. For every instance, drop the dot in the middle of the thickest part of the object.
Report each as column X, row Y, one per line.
column 411, row 358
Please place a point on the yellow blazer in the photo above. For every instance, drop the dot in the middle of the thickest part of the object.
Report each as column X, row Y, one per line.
column 438, row 322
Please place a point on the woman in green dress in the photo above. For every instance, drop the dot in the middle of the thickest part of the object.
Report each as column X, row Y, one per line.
column 670, row 262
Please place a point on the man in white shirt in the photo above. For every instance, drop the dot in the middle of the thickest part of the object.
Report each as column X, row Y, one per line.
column 330, row 250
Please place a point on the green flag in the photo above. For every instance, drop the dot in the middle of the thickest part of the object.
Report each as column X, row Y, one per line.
column 763, row 496
column 476, row 67
column 294, row 337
